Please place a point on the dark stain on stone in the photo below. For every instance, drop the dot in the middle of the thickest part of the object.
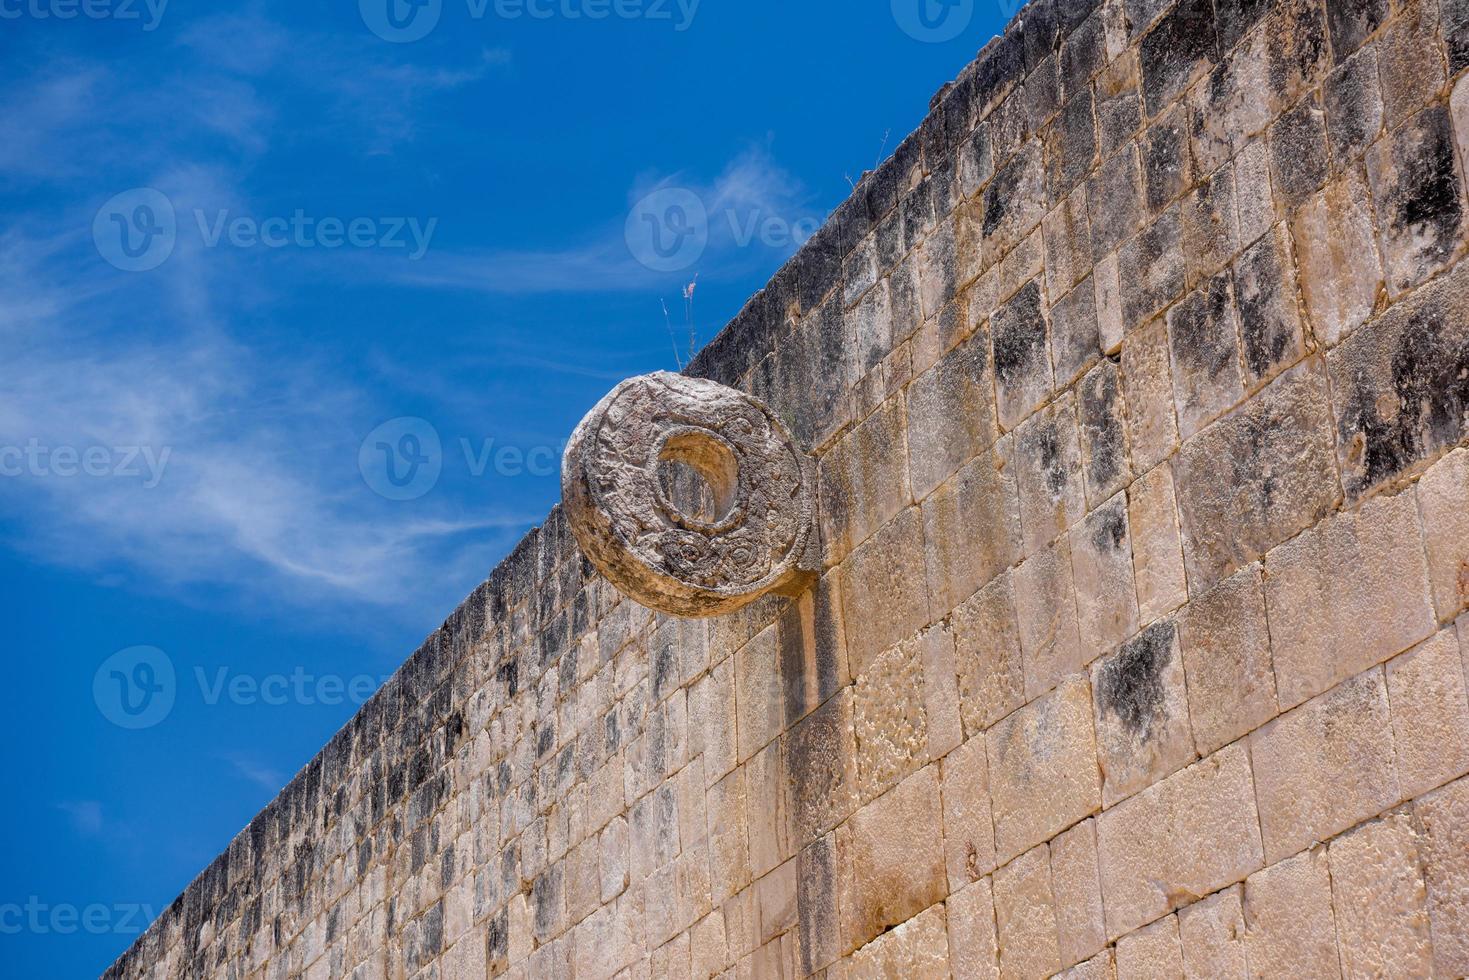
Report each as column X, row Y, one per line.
column 1429, row 207
column 1183, row 41
column 1019, row 336
column 1352, row 22
column 1267, row 321
column 1110, row 532
column 1048, row 443
column 1101, row 422
column 1130, row 685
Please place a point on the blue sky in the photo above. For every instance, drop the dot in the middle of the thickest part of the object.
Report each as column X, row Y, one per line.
column 295, row 315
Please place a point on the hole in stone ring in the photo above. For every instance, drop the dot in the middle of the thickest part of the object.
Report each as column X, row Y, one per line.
column 699, row 476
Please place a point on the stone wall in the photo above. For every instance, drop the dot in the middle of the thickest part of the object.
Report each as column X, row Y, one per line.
column 1137, row 380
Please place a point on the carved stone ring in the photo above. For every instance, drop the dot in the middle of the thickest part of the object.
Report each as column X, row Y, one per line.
column 691, row 497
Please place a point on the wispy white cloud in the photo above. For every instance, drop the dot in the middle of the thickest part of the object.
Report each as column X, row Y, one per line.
column 251, row 769
column 85, row 816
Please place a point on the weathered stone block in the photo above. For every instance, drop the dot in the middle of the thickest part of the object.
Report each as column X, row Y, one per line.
column 1204, row 340
column 1212, row 933
column 1049, row 474
column 1068, row 241
column 820, row 756
column 884, row 591
column 1353, row 102
column 1192, row 834
column 1298, row 156
column 1444, row 817
column 1103, row 424
column 1153, row 952
column 887, row 873
column 950, row 414
column 1043, row 769
column 889, row 719
column 1101, row 563
column 1409, row 64
column 1071, row 144
column 1152, row 268
column 1443, row 502
column 1099, row 967
column 1399, row 386
column 759, row 698
column 1254, row 201
column 1418, row 190
column 1022, row 356
column 1353, row 21
column 1108, row 283
column 1176, row 53
column 1226, row 655
column 1336, row 249
column 863, row 480
column 1430, row 715
column 1025, row 914
column 969, row 829
column 1377, row 892
column 1014, row 202
column 1142, row 713
column 1147, row 380
column 1210, row 226
column 991, row 673
column 971, row 527
column 1257, row 477
column 1269, row 309
column 1046, row 610
column 1325, row 766
column 1317, row 613
column 1115, row 201
column 1290, row 930
column 1168, row 165
column 973, row 947
column 1157, row 546
column 1076, row 883
column 1075, row 343
column 918, row 948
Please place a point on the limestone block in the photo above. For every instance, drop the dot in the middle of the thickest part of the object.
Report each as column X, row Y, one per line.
column 1157, row 545
column 1336, row 251
column 1043, row 769
column 918, row 948
column 759, row 698
column 817, row 891
column 864, row 480
column 1071, row 145
column 1443, row 501
column 811, row 643
column 1147, row 381
column 1049, row 473
column 1152, row 952
column 889, row 719
column 1213, row 936
column 940, row 689
column 1269, row 310
column 1067, row 234
column 973, row 946
column 1103, row 423
column 950, row 414
column 1317, row 613
column 969, row 829
column 1430, row 715
column 1353, row 21
column 1298, row 154
column 1025, row 916
column 767, row 811
column 1101, row 562
column 1418, row 191
column 1076, row 883
column 1211, row 234
column 884, row 596
column 1254, row 201
column 1456, row 36
column 1354, row 113
column 1176, row 53
column 1020, row 336
column 1444, row 816
column 1256, row 477
column 1014, row 202
column 1290, row 930
column 1099, row 967
column 1226, row 656
column 1075, row 343
column 687, row 546
column 1326, row 766
column 888, row 873
column 1203, row 338
column 1115, row 196
column 1396, row 384
column 1142, row 712
column 971, row 527
column 821, row 768
column 1168, row 166
column 1378, row 893
column 1152, row 267
column 1409, row 63
column 1045, row 605
column 991, row 672
column 1191, row 834
column 775, row 897
column 1108, row 283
